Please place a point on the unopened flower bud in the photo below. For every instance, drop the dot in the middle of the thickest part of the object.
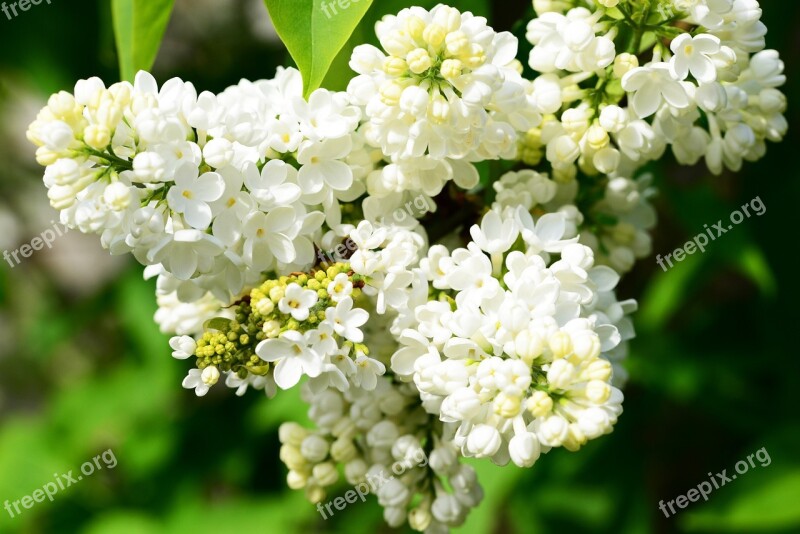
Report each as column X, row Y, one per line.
column 314, row 448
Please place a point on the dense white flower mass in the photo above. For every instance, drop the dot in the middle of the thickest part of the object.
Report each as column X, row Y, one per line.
column 346, row 243
column 712, row 93
column 445, row 85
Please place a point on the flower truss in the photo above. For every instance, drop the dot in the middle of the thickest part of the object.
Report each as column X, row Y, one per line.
column 485, row 326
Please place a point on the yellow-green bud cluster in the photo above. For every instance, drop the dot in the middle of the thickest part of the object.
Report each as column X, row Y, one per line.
column 230, row 344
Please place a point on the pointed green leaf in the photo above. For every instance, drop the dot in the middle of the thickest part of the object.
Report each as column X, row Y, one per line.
column 139, row 26
column 314, row 32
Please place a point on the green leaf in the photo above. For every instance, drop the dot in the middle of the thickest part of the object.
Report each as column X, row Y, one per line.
column 217, row 323
column 139, row 26
column 314, row 32
column 667, row 292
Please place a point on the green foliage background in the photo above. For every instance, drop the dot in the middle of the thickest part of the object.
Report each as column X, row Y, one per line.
column 713, row 370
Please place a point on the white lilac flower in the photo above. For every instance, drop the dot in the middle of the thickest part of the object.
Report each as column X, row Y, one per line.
column 569, row 42
column 297, row 302
column 265, row 237
column 347, row 320
column 693, row 55
column 201, row 381
column 651, row 86
column 293, row 356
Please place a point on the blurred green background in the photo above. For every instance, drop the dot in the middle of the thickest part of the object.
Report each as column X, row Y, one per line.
column 83, row 367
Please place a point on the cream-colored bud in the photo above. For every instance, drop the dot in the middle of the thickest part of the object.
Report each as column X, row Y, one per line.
column 575, row 438
column 419, row 61
column 314, row 448
column 343, row 450
column 599, row 369
column 292, row 434
column 390, row 92
column 296, row 480
column 507, row 406
column 456, row 43
column 415, row 27
column 539, row 404
column 210, row 375
column 560, row 344
column 528, row 345
column 117, row 196
column 344, row 428
column 292, row 458
column 624, row 63
column 420, row 518
column 597, row 391
column 355, row 471
column 264, row 306
column 434, row 35
column 586, row 347
column 451, row 69
column 97, row 136
column 276, row 293
column 475, row 57
column 315, row 493
column 596, row 137
column 438, row 109
column 325, row 473
column 272, row 328
column 395, row 66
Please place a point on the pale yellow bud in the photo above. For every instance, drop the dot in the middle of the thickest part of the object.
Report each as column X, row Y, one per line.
column 528, row 346
column 420, row 518
column 264, row 306
column 315, row 494
column 597, row 137
column 438, row 109
column 476, row 56
column 276, row 293
column 325, row 473
column 623, row 63
column 507, row 406
column 539, row 404
column 451, row 69
column 343, row 450
column 390, row 92
column 292, row 458
column 419, row 61
column 456, row 42
column 395, row 66
column 434, row 35
column 292, row 434
column 97, row 136
column 415, row 27
column 560, row 344
column 599, row 369
column 296, row 480
column 597, row 391
column 45, row 156
column 575, row 438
